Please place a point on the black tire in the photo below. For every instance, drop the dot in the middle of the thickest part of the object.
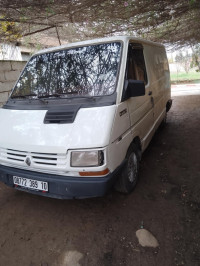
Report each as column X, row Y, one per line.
column 129, row 175
column 164, row 121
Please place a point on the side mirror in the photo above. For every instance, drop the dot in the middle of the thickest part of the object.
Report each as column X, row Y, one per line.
column 134, row 88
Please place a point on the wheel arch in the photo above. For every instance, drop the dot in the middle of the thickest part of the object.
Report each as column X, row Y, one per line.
column 123, row 183
column 137, row 142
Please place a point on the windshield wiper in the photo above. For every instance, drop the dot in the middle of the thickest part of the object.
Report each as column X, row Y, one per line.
column 56, row 95
column 59, row 95
column 23, row 96
column 49, row 95
column 78, row 96
column 85, row 97
column 18, row 96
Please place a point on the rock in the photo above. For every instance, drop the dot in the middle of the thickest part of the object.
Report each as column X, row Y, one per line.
column 72, row 258
column 146, row 239
column 69, row 258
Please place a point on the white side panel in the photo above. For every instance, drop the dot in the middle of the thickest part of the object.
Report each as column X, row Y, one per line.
column 158, row 72
column 120, row 137
column 141, row 109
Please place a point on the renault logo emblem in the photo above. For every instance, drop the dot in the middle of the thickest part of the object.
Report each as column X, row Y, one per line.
column 28, row 161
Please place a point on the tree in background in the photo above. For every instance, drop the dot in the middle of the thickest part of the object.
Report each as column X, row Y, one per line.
column 196, row 57
column 183, row 60
column 187, row 62
column 179, row 60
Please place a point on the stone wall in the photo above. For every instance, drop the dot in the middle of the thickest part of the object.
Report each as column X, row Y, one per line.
column 9, row 73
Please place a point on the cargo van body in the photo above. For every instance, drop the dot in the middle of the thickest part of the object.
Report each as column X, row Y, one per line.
column 80, row 116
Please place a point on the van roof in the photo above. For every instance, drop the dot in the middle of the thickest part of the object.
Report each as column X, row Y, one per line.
column 96, row 41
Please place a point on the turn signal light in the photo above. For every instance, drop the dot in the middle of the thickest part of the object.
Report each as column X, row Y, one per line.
column 99, row 173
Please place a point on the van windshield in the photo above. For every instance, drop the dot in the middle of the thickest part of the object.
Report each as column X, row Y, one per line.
column 81, row 71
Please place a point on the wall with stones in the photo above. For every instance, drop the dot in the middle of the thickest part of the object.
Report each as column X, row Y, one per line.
column 9, row 73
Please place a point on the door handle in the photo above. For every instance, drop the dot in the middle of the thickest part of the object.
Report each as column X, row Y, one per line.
column 150, row 93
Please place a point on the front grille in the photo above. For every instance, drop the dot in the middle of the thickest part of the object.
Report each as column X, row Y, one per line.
column 13, row 155
column 38, row 160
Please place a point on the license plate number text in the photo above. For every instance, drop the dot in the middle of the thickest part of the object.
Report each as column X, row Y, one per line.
column 30, row 183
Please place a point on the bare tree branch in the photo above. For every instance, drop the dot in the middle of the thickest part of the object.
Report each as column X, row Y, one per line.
column 166, row 21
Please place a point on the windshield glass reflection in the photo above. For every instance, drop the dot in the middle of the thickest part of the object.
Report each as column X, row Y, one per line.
column 82, row 71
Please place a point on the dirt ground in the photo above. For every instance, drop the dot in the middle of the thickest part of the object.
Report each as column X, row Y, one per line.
column 37, row 231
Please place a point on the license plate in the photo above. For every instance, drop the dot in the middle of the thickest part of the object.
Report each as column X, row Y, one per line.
column 30, row 183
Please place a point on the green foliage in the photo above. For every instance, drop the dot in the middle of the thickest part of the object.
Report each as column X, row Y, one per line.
column 9, row 30
column 192, row 2
column 182, row 76
column 49, row 10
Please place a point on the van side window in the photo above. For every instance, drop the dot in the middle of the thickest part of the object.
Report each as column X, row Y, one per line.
column 136, row 68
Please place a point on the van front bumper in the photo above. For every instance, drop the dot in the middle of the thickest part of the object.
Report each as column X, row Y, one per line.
column 62, row 187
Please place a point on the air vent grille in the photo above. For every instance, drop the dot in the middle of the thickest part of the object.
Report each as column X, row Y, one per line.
column 65, row 117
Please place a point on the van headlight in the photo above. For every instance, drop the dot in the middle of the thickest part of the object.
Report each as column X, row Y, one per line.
column 87, row 158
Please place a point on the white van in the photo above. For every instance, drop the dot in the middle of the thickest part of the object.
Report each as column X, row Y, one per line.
column 80, row 116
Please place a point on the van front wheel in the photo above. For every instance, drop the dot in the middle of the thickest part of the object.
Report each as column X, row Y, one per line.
column 129, row 176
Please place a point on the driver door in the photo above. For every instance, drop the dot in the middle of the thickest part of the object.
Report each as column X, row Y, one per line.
column 140, row 107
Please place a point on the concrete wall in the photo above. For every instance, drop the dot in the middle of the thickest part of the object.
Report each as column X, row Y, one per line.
column 9, row 73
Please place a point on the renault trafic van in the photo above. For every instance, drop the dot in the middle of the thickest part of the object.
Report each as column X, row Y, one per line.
column 80, row 116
